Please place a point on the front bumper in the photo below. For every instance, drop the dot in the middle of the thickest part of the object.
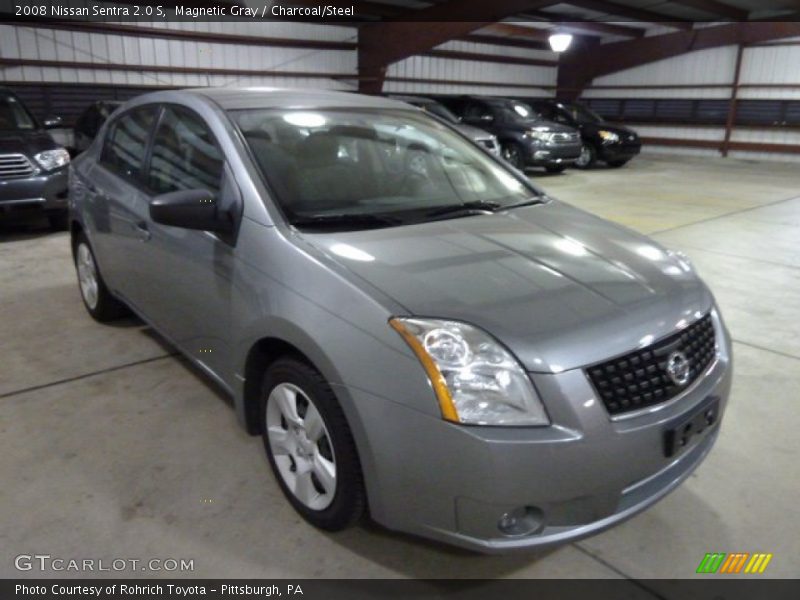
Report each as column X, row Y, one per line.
column 47, row 191
column 581, row 475
column 551, row 154
column 623, row 151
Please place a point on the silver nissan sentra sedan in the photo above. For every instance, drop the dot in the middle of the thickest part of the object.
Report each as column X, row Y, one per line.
column 418, row 332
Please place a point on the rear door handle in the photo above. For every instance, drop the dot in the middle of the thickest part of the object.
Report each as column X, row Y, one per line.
column 142, row 231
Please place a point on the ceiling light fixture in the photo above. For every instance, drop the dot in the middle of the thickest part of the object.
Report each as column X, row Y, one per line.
column 560, row 41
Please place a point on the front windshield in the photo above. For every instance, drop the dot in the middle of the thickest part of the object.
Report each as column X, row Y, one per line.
column 514, row 110
column 398, row 165
column 583, row 114
column 13, row 115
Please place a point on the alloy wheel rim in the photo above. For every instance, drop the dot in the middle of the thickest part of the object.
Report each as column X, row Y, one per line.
column 87, row 276
column 301, row 446
column 583, row 159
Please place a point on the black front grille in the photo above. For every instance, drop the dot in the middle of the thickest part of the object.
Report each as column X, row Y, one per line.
column 15, row 166
column 639, row 379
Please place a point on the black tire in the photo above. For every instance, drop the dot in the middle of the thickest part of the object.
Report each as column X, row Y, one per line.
column 107, row 307
column 58, row 220
column 616, row 164
column 513, row 154
column 555, row 168
column 349, row 499
column 588, row 157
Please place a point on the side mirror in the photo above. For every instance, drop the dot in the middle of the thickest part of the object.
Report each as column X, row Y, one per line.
column 52, row 122
column 190, row 209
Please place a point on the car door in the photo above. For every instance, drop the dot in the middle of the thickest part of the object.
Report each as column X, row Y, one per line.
column 191, row 271
column 117, row 204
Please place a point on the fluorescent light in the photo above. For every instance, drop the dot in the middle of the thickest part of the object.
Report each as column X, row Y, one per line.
column 560, row 41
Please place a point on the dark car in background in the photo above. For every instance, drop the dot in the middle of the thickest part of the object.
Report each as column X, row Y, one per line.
column 613, row 144
column 526, row 138
column 476, row 134
column 33, row 167
column 89, row 122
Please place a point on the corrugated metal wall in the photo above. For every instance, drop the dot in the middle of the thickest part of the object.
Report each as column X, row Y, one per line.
column 427, row 67
column 66, row 86
column 773, row 64
column 48, row 44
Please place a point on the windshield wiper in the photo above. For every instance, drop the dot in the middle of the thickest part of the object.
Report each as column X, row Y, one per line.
column 466, row 207
column 528, row 202
column 335, row 220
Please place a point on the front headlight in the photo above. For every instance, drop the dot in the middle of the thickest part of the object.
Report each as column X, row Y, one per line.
column 52, row 159
column 476, row 380
column 608, row 136
column 538, row 135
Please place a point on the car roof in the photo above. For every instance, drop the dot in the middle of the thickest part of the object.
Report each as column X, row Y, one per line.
column 413, row 99
column 268, row 97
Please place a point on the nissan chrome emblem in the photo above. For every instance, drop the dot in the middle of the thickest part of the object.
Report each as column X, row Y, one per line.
column 678, row 368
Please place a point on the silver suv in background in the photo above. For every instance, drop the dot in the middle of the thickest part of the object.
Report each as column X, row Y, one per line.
column 484, row 139
column 453, row 352
column 33, row 167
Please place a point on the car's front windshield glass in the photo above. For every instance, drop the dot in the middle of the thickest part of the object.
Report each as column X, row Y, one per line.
column 583, row 114
column 367, row 168
column 514, row 110
column 13, row 115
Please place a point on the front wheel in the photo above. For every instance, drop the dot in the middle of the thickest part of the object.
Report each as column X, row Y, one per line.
column 512, row 152
column 99, row 302
column 58, row 220
column 587, row 158
column 310, row 447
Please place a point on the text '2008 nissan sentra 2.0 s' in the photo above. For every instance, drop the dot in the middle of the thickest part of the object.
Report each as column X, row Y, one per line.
column 417, row 332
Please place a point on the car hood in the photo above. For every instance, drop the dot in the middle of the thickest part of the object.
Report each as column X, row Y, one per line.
column 542, row 125
column 25, row 142
column 621, row 130
column 473, row 133
column 558, row 286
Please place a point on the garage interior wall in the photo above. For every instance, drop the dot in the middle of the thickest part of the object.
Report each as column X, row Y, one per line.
column 475, row 76
column 768, row 100
column 40, row 64
column 195, row 63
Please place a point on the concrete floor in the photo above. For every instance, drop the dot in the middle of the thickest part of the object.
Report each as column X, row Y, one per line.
column 111, row 447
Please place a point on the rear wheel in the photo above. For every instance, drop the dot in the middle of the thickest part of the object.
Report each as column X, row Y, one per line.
column 310, row 447
column 555, row 168
column 587, row 158
column 99, row 302
column 512, row 152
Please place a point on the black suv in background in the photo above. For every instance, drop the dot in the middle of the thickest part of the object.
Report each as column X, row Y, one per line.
column 526, row 138
column 90, row 122
column 33, row 167
column 613, row 144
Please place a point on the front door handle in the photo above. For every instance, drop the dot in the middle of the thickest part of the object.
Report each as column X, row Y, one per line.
column 142, row 231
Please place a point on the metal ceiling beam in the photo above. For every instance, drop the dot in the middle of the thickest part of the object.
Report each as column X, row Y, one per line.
column 510, row 29
column 479, row 38
column 586, row 27
column 714, row 7
column 629, row 12
column 579, row 67
column 383, row 43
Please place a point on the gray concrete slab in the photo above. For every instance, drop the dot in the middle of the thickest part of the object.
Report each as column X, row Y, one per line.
column 118, row 450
